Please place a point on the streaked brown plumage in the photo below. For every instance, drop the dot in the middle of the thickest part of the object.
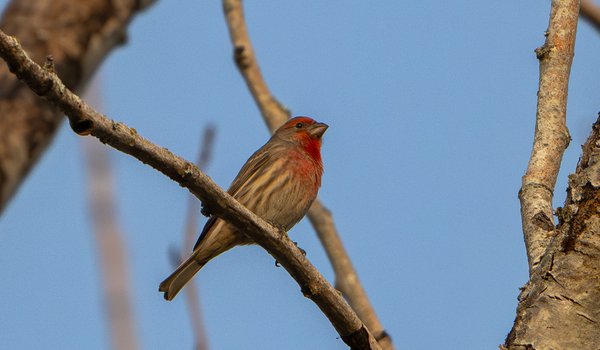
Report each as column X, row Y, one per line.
column 279, row 182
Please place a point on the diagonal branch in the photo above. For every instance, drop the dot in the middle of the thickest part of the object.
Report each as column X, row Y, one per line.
column 551, row 133
column 275, row 114
column 86, row 121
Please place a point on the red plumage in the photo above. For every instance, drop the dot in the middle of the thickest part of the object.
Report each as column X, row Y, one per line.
column 279, row 182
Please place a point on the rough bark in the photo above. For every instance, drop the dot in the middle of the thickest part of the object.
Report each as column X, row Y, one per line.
column 79, row 35
column 551, row 134
column 86, row 121
column 560, row 306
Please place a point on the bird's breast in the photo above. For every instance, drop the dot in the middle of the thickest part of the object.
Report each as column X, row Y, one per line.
column 284, row 192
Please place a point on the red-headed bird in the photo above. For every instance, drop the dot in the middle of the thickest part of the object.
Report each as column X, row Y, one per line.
column 279, row 182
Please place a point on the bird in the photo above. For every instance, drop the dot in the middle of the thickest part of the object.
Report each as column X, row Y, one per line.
column 279, row 182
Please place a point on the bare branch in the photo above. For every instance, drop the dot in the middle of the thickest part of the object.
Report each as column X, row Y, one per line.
column 85, row 121
column 346, row 278
column 551, row 134
column 273, row 112
column 79, row 34
column 275, row 115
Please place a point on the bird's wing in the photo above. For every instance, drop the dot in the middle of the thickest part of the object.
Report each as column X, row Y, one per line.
column 210, row 223
column 248, row 171
column 256, row 162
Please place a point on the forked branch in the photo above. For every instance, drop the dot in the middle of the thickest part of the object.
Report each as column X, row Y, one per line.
column 551, row 135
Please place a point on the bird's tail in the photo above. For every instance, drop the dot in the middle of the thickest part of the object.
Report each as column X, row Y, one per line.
column 178, row 279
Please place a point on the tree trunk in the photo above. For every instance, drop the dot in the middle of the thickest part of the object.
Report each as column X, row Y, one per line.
column 560, row 306
column 78, row 35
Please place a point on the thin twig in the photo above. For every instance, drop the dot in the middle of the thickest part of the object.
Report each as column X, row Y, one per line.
column 86, row 121
column 551, row 133
column 191, row 230
column 275, row 115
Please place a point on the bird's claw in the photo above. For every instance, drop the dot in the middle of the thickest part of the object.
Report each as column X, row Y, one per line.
column 205, row 211
column 301, row 250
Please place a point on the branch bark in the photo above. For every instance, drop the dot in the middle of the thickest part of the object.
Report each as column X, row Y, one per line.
column 79, row 35
column 551, row 133
column 559, row 308
column 275, row 114
column 85, row 121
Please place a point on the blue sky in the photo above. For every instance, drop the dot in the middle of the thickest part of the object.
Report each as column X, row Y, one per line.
column 431, row 108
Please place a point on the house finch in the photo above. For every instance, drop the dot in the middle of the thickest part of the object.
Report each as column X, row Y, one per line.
column 278, row 183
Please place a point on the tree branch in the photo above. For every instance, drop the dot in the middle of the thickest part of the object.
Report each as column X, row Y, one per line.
column 346, row 278
column 551, row 134
column 85, row 121
column 79, row 34
column 275, row 114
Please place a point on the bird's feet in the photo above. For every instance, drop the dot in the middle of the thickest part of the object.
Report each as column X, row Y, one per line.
column 204, row 210
column 281, row 230
column 301, row 251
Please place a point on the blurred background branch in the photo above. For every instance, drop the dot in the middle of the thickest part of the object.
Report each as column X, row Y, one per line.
column 189, row 238
column 590, row 12
column 111, row 250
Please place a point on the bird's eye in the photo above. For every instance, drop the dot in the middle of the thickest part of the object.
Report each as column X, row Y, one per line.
column 299, row 126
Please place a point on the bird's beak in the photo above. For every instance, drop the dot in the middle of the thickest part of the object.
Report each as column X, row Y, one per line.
column 317, row 130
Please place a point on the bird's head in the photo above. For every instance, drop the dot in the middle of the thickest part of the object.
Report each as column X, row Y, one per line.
column 302, row 129
column 304, row 132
